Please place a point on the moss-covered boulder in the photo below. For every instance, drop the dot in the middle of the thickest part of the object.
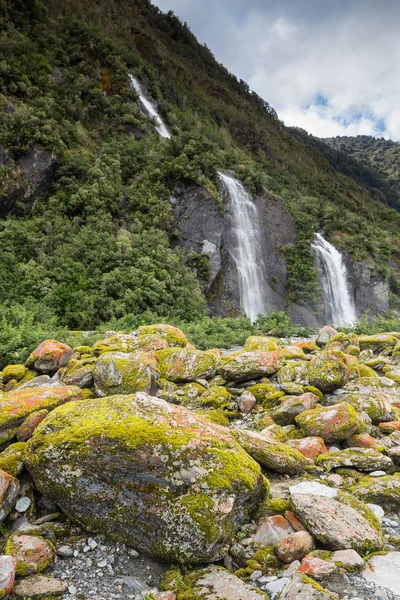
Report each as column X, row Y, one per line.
column 148, row 473
column 244, row 366
column 255, row 342
column 78, row 372
column 363, row 459
column 16, row 372
column 331, row 423
column 271, row 454
column 295, row 372
column 291, row 406
column 384, row 490
column 125, row 373
column 49, row 356
column 185, row 364
column 216, row 396
column 12, row 459
column 328, row 371
column 15, row 406
column 381, row 342
column 302, row 587
column 172, row 335
column 116, row 342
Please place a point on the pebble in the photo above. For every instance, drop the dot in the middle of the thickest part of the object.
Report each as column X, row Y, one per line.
column 23, row 504
column 377, row 473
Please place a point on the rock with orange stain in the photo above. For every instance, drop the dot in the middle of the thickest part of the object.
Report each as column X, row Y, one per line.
column 8, row 565
column 165, row 596
column 328, row 370
column 364, row 440
column 308, row 346
column 390, row 426
column 9, row 488
column 331, row 423
column 32, row 553
column 152, row 473
column 25, row 431
column 310, row 447
column 363, row 459
column 348, row 559
column 294, row 522
column 244, row 366
column 295, row 546
column 270, row 530
column 185, row 364
column 316, row 567
column 20, row 403
column 49, row 356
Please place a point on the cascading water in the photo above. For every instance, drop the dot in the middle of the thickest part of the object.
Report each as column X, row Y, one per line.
column 150, row 108
column 335, row 287
column 246, row 250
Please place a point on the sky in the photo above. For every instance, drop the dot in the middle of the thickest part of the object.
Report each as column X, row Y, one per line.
column 331, row 67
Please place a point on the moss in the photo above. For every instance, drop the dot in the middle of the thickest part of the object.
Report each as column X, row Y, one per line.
column 16, row 372
column 121, row 373
column 266, row 344
column 12, row 459
column 219, row 417
column 277, row 506
column 216, row 397
column 366, row 371
column 272, row 400
column 265, row 558
column 174, row 336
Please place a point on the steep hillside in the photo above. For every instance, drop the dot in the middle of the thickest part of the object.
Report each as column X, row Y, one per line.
column 380, row 157
column 91, row 230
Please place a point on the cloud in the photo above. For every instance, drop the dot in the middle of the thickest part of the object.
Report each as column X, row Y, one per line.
column 295, row 52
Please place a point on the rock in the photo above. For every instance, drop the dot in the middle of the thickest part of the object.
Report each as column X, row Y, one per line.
column 10, row 372
column 328, row 371
column 216, row 583
column 173, row 336
column 49, row 356
column 18, row 404
column 116, row 342
column 378, row 343
column 313, row 487
column 310, row 447
column 363, row 459
column 324, row 335
column 148, row 473
column 295, row 546
column 79, row 372
column 25, row 431
column 270, row 454
column 335, row 480
column 8, row 565
column 65, row 551
column 347, row 559
column 294, row 522
column 316, row 567
column 271, row 529
column 244, row 366
column 32, row 553
column 331, row 423
column 291, row 406
column 302, row 587
column 23, row 504
column 337, row 525
column 246, row 402
column 9, row 488
column 38, row 587
column 364, row 440
column 384, row 491
column 12, row 459
column 384, row 571
column 180, row 365
column 265, row 344
column 121, row 373
column 390, row 426
column 165, row 596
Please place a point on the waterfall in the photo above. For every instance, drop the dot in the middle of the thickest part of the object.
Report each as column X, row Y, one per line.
column 246, row 250
column 335, row 287
column 150, row 108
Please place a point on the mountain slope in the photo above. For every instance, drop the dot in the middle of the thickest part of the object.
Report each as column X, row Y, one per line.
column 88, row 233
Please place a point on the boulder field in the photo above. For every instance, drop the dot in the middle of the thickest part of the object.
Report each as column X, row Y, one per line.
column 269, row 472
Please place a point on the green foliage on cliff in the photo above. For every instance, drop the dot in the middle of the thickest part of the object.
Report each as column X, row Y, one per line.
column 96, row 245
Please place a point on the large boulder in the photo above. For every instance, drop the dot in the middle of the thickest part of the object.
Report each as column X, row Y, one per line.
column 331, row 423
column 18, row 404
column 363, row 459
column 125, row 373
column 244, row 366
column 148, row 473
column 328, row 371
column 184, row 364
column 49, row 356
column 383, row 490
column 172, row 335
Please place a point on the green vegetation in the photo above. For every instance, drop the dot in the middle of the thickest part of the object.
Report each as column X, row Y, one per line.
column 96, row 245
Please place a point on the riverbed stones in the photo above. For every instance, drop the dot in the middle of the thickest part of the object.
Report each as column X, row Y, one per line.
column 331, row 423
column 49, row 356
column 147, row 472
column 244, row 366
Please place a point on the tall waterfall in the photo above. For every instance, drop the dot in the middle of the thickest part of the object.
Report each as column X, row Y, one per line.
column 150, row 108
column 246, row 250
column 335, row 287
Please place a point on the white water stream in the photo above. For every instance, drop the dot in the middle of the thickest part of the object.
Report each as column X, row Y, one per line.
column 150, row 108
column 335, row 287
column 246, row 252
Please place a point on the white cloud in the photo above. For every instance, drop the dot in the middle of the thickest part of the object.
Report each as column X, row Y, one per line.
column 292, row 51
